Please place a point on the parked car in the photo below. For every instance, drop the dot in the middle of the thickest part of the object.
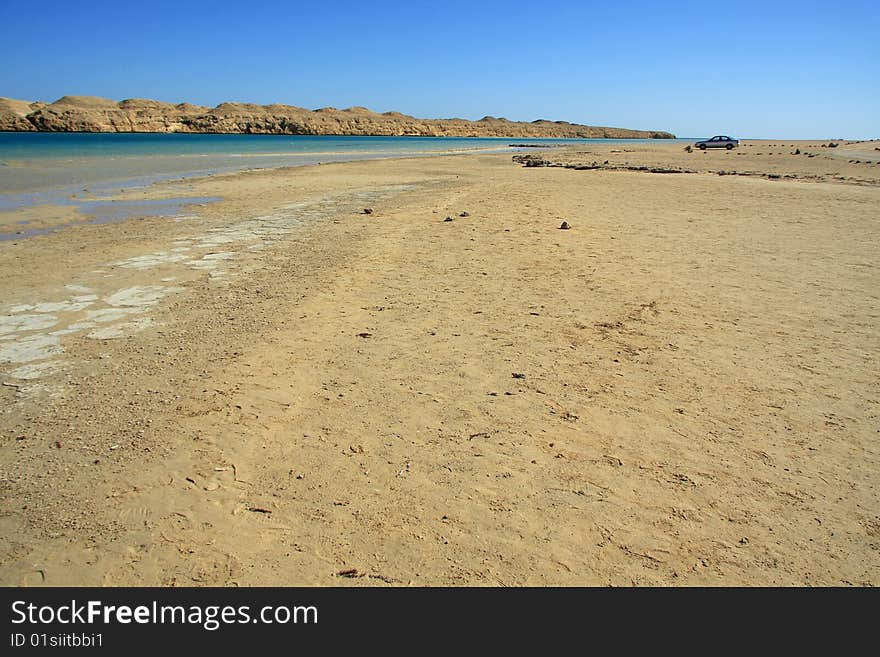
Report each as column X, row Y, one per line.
column 719, row 141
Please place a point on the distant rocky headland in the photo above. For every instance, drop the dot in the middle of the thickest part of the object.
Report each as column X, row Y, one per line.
column 89, row 114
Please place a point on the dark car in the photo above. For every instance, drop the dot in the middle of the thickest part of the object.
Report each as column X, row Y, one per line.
column 719, row 141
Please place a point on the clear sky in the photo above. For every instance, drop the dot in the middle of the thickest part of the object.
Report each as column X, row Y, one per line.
column 773, row 68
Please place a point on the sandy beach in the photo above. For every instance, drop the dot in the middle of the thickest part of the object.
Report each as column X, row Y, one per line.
column 280, row 389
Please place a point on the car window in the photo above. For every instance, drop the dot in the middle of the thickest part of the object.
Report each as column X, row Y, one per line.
column 714, row 139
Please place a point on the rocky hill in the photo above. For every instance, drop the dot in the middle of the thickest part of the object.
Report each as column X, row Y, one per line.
column 89, row 114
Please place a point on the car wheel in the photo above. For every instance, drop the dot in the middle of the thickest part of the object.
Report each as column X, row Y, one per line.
column 729, row 146
column 702, row 147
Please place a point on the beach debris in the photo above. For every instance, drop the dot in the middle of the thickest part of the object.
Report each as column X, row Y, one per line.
column 368, row 211
column 518, row 375
column 531, row 161
column 464, row 214
column 689, row 149
column 364, row 334
column 448, row 219
column 258, row 509
column 564, row 226
column 349, row 572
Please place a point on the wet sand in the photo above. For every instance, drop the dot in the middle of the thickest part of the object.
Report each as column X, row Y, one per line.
column 276, row 388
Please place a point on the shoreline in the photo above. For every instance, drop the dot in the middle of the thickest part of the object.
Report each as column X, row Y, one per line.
column 108, row 191
column 101, row 178
column 105, row 193
column 280, row 387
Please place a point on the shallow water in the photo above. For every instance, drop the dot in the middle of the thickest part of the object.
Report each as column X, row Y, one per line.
column 50, row 162
column 30, row 145
column 84, row 170
column 103, row 211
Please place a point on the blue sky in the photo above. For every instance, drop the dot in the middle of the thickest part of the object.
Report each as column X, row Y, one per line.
column 752, row 69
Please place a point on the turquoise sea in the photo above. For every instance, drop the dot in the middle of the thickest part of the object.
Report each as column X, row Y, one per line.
column 64, row 168
column 32, row 145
